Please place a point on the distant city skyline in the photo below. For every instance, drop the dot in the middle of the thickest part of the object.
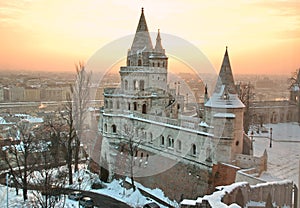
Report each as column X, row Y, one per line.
column 263, row 36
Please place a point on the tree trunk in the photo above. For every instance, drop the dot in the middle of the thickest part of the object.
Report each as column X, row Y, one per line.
column 131, row 171
column 69, row 162
column 76, row 156
column 25, row 196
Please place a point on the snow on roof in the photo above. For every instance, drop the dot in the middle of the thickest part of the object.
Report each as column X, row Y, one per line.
column 29, row 118
column 204, row 124
column 32, row 119
column 188, row 202
column 217, row 100
column 224, row 115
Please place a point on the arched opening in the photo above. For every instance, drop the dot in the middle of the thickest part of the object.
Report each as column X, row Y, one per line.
column 139, row 62
column 126, row 85
column 170, row 142
column 194, row 149
column 162, row 140
column 105, row 127
column 144, row 108
column 128, row 106
column 135, row 106
column 142, row 85
column 114, row 128
column 135, row 84
column 128, row 62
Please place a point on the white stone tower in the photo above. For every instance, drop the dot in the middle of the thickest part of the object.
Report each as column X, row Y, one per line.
column 224, row 111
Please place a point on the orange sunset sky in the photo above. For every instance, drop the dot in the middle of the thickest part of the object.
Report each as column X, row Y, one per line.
column 262, row 36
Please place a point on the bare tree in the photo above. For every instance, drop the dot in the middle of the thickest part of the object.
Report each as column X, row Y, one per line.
column 81, row 98
column 246, row 95
column 49, row 180
column 21, row 156
column 129, row 145
column 70, row 136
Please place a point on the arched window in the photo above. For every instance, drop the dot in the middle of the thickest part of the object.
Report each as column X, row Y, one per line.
column 114, row 128
column 162, row 140
column 128, row 106
column 144, row 109
column 194, row 149
column 111, row 104
column 126, row 84
column 105, row 127
column 139, row 62
column 142, row 154
column 158, row 64
column 170, row 142
column 135, row 106
column 128, row 62
column 142, row 85
column 135, row 84
column 179, row 145
column 106, row 104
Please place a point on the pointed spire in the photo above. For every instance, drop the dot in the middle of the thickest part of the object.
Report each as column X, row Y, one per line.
column 142, row 40
column 225, row 76
column 158, row 45
column 142, row 26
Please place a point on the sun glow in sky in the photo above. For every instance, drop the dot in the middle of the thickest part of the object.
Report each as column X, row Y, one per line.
column 262, row 36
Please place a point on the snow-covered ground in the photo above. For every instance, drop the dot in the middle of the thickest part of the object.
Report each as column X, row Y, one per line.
column 114, row 189
column 284, row 156
column 283, row 163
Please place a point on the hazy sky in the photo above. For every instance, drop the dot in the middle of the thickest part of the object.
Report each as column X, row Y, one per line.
column 262, row 36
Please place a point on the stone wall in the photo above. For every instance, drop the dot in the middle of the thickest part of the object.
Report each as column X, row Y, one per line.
column 223, row 174
column 278, row 193
column 249, row 161
column 180, row 180
column 249, row 176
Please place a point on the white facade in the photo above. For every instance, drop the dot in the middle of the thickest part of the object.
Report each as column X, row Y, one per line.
column 145, row 103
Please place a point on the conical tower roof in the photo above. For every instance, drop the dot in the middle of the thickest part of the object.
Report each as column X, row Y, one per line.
column 142, row 40
column 225, row 77
column 158, row 45
column 225, row 93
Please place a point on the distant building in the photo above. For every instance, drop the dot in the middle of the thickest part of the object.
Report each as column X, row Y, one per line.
column 32, row 94
column 16, row 93
column 1, row 93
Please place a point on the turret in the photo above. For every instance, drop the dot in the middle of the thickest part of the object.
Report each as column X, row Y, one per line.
column 224, row 111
